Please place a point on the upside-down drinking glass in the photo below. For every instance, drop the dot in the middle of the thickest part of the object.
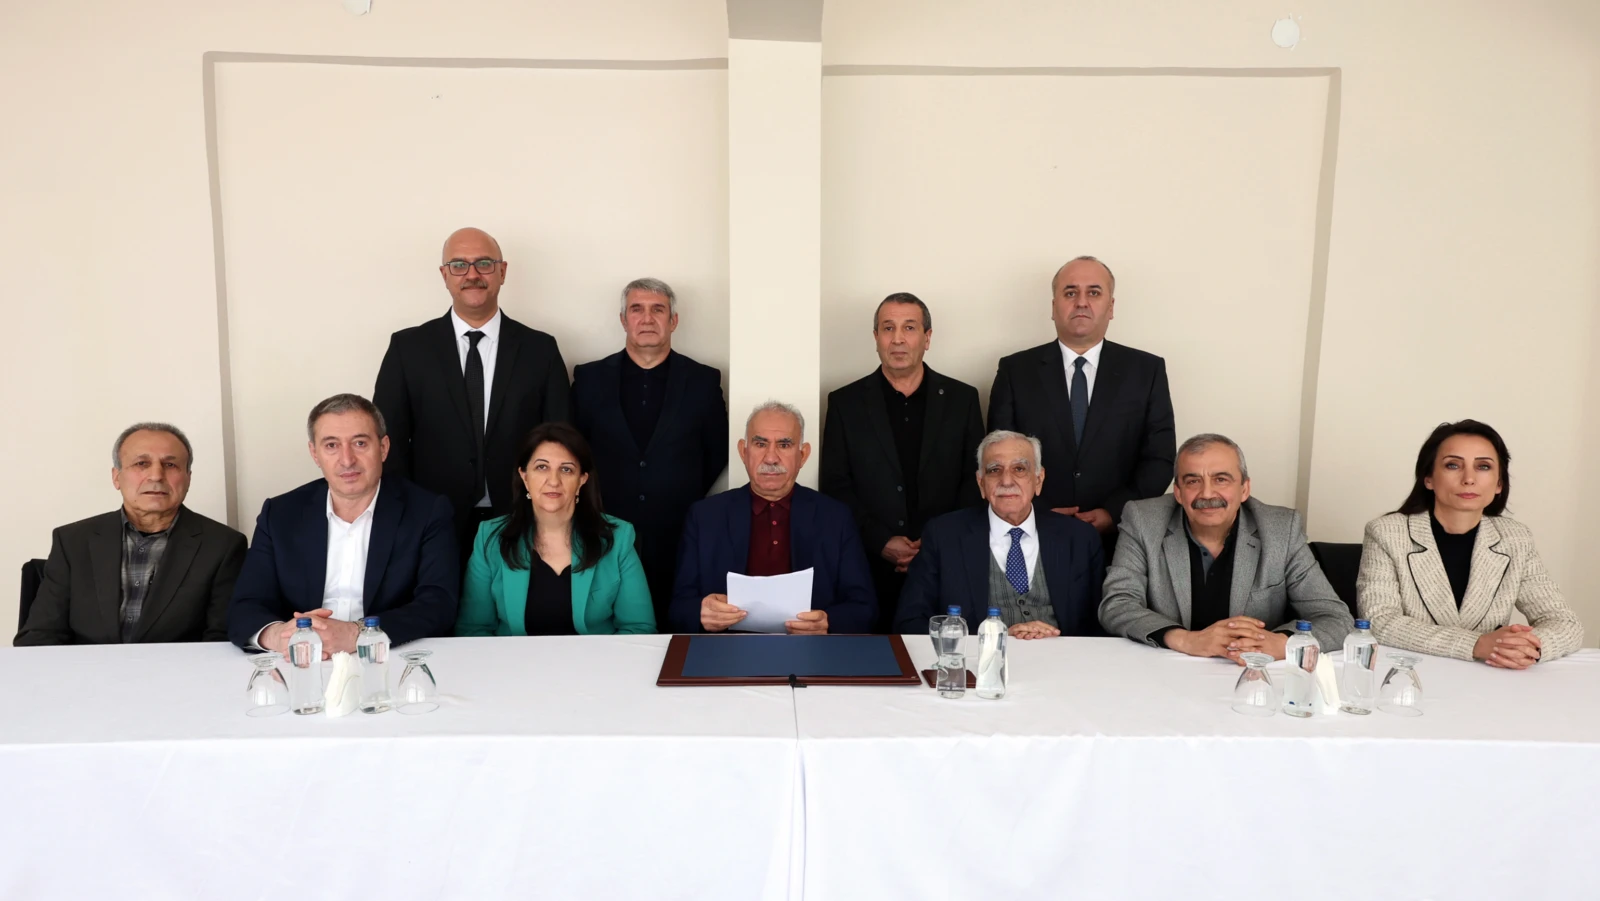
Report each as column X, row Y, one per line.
column 1253, row 694
column 418, row 692
column 1401, row 692
column 267, row 693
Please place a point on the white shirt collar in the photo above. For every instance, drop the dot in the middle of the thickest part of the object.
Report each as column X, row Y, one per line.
column 365, row 514
column 490, row 329
column 999, row 527
column 1068, row 354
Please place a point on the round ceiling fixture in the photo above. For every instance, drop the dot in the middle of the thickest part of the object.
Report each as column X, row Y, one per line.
column 1286, row 33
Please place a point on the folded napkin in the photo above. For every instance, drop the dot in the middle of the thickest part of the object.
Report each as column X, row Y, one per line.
column 1327, row 679
column 344, row 686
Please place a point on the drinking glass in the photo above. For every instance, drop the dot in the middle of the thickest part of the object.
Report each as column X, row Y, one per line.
column 267, row 693
column 1253, row 694
column 1401, row 692
column 418, row 692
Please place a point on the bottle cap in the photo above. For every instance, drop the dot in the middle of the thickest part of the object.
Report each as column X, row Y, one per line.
column 994, row 611
column 1363, row 624
column 370, row 622
column 303, row 622
column 1303, row 625
column 954, row 610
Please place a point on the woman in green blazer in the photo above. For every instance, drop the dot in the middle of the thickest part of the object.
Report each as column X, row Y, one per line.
column 556, row 564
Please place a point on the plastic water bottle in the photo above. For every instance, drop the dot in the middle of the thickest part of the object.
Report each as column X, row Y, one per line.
column 372, row 649
column 1299, row 683
column 952, row 666
column 305, row 668
column 992, row 657
column 1358, row 679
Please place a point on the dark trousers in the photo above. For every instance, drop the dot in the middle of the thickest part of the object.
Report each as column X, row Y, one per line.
column 888, row 584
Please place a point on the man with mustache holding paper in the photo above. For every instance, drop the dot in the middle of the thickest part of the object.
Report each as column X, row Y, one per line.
column 1212, row 572
column 771, row 527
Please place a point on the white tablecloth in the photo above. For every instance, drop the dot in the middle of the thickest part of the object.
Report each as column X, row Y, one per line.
column 1113, row 770
column 554, row 769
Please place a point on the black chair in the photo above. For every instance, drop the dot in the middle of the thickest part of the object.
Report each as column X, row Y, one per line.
column 1340, row 563
column 32, row 577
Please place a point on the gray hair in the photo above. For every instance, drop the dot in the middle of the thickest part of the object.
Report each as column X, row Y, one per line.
column 1110, row 276
column 777, row 406
column 174, row 431
column 345, row 403
column 654, row 286
column 999, row 435
column 1204, row 440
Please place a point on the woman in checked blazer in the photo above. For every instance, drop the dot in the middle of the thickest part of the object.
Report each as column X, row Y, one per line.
column 1443, row 574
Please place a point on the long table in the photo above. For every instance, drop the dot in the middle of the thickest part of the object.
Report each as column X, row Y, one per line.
column 556, row 769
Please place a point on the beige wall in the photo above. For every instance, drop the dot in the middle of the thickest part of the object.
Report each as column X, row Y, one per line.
column 1461, row 272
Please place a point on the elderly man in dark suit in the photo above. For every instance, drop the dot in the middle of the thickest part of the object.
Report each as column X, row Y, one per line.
column 152, row 571
column 659, row 428
column 897, row 447
column 771, row 527
column 460, row 392
column 1102, row 411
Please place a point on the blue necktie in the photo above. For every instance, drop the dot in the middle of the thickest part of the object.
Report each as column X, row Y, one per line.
column 1079, row 398
column 1016, row 569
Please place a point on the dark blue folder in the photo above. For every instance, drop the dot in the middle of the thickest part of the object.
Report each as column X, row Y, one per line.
column 777, row 659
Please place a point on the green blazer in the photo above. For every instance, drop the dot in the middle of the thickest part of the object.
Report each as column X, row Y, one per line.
column 610, row 598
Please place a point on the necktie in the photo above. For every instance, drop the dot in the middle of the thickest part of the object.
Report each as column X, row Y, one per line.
column 1079, row 399
column 1016, row 569
column 474, row 374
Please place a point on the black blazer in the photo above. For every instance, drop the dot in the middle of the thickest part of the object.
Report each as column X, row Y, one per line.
column 653, row 487
column 716, row 541
column 80, row 599
column 413, row 576
column 1129, row 443
column 423, row 396
column 861, row 467
column 952, row 570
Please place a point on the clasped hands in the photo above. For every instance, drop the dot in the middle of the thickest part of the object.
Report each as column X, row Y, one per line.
column 717, row 615
column 1231, row 638
column 1509, row 647
column 336, row 635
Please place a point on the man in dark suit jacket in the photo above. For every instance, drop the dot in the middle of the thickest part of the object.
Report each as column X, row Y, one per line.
column 152, row 571
column 352, row 544
column 658, row 425
column 898, row 447
column 770, row 527
column 460, row 392
column 1103, row 411
column 1041, row 569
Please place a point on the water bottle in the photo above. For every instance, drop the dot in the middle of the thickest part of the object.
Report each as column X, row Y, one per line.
column 952, row 666
column 1359, row 679
column 305, row 668
column 372, row 649
column 992, row 657
column 1299, row 683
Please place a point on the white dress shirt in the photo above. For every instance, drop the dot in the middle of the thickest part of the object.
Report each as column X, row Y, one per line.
column 488, row 347
column 344, row 585
column 1000, row 540
column 1090, row 367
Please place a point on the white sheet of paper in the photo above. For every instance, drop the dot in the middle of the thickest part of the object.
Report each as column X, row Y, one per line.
column 769, row 601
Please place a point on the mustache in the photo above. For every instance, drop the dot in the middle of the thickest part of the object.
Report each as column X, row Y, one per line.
column 475, row 283
column 1208, row 503
column 772, row 469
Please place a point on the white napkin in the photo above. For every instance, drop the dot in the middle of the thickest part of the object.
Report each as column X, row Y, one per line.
column 1327, row 679
column 344, row 686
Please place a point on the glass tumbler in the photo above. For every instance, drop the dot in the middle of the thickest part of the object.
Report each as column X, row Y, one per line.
column 267, row 693
column 1253, row 694
column 1401, row 691
column 418, row 692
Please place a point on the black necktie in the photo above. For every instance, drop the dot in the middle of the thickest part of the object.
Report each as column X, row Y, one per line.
column 1079, row 398
column 474, row 375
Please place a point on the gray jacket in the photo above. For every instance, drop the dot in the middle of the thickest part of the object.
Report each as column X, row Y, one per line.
column 1147, row 585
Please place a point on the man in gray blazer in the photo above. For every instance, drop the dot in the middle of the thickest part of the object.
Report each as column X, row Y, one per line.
column 152, row 570
column 1211, row 572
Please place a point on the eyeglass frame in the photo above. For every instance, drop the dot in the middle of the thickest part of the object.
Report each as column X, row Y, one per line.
column 449, row 266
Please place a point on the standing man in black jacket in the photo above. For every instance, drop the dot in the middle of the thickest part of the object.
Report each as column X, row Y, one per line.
column 898, row 447
column 460, row 392
column 1102, row 410
column 658, row 424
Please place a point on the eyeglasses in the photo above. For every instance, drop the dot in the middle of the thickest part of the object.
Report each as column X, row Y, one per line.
column 460, row 267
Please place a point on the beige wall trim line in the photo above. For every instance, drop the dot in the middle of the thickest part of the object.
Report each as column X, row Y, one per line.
column 1319, row 293
column 429, row 62
column 1181, row 71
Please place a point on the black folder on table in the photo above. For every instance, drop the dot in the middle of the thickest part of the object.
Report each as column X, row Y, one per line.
column 787, row 660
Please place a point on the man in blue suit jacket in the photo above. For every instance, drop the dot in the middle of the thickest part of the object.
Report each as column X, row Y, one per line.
column 1041, row 569
column 770, row 527
column 355, row 543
